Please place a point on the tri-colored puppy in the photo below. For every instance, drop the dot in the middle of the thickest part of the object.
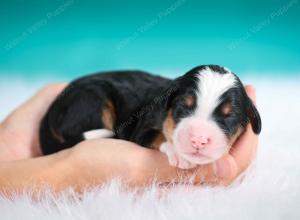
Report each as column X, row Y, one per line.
column 194, row 118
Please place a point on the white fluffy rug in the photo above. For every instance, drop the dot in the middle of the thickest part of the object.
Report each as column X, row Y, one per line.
column 270, row 191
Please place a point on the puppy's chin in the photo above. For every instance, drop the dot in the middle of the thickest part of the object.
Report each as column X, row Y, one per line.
column 202, row 159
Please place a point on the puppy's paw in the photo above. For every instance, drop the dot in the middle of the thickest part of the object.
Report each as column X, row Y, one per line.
column 174, row 159
column 169, row 151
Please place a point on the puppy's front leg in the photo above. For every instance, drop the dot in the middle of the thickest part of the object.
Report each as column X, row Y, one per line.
column 174, row 159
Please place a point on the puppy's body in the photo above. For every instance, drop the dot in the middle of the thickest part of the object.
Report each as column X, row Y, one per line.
column 194, row 118
column 113, row 100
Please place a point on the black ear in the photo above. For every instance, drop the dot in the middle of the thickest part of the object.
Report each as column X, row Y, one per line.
column 254, row 117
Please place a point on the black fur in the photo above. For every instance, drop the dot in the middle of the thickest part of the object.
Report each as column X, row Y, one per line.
column 78, row 108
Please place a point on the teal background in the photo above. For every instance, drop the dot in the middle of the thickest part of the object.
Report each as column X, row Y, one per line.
column 68, row 38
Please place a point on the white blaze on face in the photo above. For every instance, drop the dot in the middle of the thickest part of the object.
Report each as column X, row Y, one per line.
column 211, row 87
column 198, row 138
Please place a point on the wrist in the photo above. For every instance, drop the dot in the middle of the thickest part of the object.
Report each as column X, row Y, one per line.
column 54, row 172
column 59, row 172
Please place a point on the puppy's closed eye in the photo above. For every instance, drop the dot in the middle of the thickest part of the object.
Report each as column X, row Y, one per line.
column 189, row 100
column 226, row 109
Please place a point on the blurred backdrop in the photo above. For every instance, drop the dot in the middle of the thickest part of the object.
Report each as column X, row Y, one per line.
column 68, row 38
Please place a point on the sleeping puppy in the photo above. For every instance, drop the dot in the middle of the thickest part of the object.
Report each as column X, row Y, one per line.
column 194, row 119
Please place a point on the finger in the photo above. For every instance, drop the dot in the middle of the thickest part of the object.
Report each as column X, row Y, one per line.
column 37, row 106
column 244, row 149
column 47, row 93
column 34, row 109
column 225, row 168
column 250, row 90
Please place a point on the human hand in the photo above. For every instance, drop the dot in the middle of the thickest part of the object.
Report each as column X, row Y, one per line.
column 19, row 131
column 97, row 161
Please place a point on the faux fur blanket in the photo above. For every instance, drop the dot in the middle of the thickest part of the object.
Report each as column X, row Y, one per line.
column 271, row 190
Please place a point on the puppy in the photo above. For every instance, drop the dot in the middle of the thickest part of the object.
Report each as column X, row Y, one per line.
column 194, row 118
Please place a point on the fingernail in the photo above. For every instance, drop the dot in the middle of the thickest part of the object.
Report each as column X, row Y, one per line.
column 222, row 168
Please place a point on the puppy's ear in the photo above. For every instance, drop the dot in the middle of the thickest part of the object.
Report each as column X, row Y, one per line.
column 254, row 117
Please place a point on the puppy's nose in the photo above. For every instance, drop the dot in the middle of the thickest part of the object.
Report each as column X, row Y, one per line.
column 199, row 142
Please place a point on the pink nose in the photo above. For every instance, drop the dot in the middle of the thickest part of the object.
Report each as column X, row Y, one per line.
column 199, row 141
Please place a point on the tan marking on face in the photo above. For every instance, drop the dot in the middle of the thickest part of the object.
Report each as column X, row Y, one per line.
column 226, row 109
column 159, row 139
column 108, row 115
column 168, row 127
column 189, row 100
column 57, row 136
column 235, row 136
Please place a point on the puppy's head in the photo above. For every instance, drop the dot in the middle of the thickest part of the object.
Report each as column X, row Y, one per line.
column 207, row 113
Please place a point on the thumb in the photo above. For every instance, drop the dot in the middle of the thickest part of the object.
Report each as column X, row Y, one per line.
column 225, row 168
column 251, row 92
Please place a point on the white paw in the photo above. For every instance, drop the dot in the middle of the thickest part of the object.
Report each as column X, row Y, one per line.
column 98, row 133
column 174, row 159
